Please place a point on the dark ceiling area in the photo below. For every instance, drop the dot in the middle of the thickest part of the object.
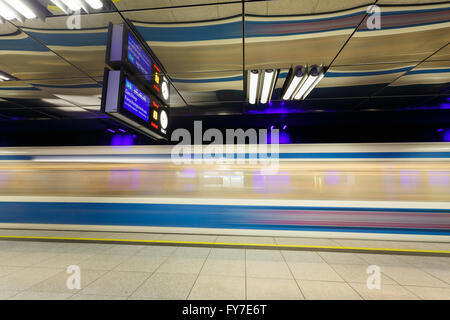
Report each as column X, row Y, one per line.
column 206, row 46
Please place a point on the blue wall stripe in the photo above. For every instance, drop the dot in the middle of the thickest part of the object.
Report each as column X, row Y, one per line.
column 71, row 39
column 209, row 80
column 429, row 71
column 25, row 44
column 175, row 215
column 363, row 74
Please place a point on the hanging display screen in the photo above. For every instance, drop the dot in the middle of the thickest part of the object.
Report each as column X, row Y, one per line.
column 135, row 101
column 139, row 58
column 125, row 50
column 128, row 101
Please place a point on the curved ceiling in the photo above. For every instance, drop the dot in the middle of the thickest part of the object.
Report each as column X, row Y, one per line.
column 207, row 45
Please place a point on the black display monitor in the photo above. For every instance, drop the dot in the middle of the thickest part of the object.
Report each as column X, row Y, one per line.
column 125, row 99
column 125, row 49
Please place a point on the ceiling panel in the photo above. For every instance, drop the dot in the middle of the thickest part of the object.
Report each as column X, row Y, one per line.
column 5, row 104
column 23, row 114
column 408, row 33
column 427, row 78
column 200, row 87
column 154, row 4
column 68, row 112
column 25, row 58
column 84, row 48
column 358, row 80
column 443, row 54
column 201, row 45
column 284, row 33
column 396, row 103
column 193, row 39
column 66, row 92
column 21, row 90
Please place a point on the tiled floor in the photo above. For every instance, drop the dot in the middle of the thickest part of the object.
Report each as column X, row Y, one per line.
column 37, row 270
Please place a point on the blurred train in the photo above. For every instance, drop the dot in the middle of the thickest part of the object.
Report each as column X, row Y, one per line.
column 387, row 191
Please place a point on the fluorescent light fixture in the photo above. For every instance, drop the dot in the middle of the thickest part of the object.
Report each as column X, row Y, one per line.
column 315, row 75
column 4, row 78
column 95, row 4
column 73, row 5
column 253, row 86
column 21, row 7
column 321, row 75
column 6, row 11
column 61, row 5
column 298, row 77
column 269, row 79
column 309, row 81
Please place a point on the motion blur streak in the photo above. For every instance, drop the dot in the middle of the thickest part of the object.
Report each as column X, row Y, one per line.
column 350, row 195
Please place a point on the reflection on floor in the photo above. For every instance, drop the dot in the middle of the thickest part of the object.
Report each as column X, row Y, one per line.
column 37, row 270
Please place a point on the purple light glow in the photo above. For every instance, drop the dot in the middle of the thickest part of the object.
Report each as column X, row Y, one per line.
column 119, row 140
column 438, row 178
column 440, row 130
column 271, row 183
column 189, row 173
column 332, row 178
column 409, row 178
column 283, row 137
column 121, row 130
column 284, row 127
column 446, row 135
column 271, row 127
column 111, row 130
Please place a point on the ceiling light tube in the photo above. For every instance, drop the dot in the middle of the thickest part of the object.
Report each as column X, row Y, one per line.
column 95, row 4
column 21, row 7
column 9, row 13
column 309, row 81
column 3, row 78
column 321, row 75
column 298, row 77
column 312, row 77
column 74, row 5
column 269, row 79
column 253, row 86
column 61, row 5
column 6, row 12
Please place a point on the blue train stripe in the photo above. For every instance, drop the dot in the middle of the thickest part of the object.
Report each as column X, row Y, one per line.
column 307, row 155
column 178, row 215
